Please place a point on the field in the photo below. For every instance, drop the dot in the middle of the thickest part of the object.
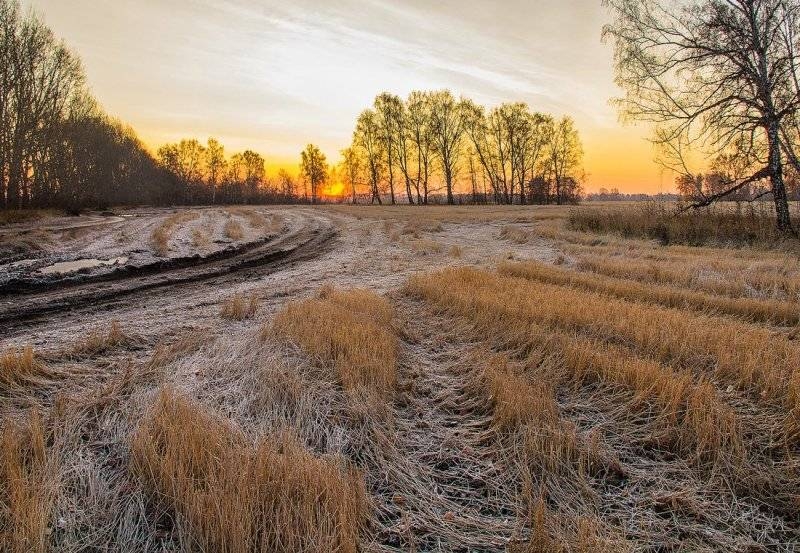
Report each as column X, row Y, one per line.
column 388, row 379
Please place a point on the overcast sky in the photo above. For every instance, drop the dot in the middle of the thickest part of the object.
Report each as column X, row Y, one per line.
column 274, row 75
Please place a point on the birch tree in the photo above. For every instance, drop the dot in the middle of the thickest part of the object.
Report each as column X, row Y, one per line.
column 716, row 76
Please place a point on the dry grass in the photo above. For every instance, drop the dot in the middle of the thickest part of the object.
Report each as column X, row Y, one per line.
column 415, row 227
column 752, row 309
column 509, row 312
column 515, row 400
column 239, row 307
column 754, row 226
column 548, row 449
column 235, row 497
column 200, row 238
column 162, row 234
column 348, row 331
column 424, row 246
column 27, row 485
column 709, row 274
column 12, row 216
column 101, row 341
column 234, row 230
column 456, row 252
column 255, row 219
column 19, row 369
column 516, row 234
column 752, row 359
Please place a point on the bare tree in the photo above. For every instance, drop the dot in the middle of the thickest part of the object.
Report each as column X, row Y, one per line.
column 714, row 75
column 447, row 130
column 389, row 109
column 419, row 136
column 565, row 157
column 40, row 79
column 286, row 184
column 215, row 164
column 314, row 168
column 510, row 144
column 367, row 138
column 352, row 169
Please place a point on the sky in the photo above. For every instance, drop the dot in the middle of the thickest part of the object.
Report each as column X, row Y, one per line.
column 272, row 75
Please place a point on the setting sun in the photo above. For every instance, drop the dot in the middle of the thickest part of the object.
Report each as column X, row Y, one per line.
column 333, row 190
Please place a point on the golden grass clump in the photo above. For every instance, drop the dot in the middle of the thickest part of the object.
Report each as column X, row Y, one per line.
column 19, row 368
column 238, row 307
column 515, row 400
column 736, row 279
column 234, row 230
column 756, row 310
column 423, row 246
column 456, row 251
column 200, row 238
column 100, row 341
column 752, row 359
column 26, row 486
column 719, row 224
column 509, row 312
column 162, row 234
column 348, row 331
column 255, row 219
column 515, row 234
column 236, row 497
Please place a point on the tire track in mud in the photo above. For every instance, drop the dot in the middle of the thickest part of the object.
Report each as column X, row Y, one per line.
column 446, row 486
column 310, row 238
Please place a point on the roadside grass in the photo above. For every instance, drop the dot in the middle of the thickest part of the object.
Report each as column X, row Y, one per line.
column 12, row 216
column 100, row 341
column 766, row 311
column 236, row 497
column 162, row 234
column 348, row 331
column 240, row 307
column 234, row 230
column 19, row 369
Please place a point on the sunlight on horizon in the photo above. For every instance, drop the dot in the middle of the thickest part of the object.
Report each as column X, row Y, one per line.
column 273, row 76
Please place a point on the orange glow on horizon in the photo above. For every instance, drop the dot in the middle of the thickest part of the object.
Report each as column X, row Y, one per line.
column 333, row 190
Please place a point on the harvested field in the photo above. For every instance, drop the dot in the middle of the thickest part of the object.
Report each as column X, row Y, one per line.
column 395, row 379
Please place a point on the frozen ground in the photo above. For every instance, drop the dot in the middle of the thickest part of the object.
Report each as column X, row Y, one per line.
column 375, row 250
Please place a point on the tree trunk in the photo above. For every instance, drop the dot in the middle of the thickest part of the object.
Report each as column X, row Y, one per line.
column 779, row 196
column 449, row 182
column 391, row 178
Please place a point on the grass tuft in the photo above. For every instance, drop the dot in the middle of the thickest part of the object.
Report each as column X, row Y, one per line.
column 238, row 307
column 235, row 497
column 348, row 331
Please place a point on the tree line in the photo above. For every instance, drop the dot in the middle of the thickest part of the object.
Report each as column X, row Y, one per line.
column 57, row 147
column 431, row 143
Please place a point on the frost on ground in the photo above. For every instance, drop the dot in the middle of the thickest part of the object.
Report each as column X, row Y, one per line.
column 499, row 428
column 96, row 244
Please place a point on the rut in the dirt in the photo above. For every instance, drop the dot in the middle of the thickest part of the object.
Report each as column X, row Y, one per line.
column 446, row 485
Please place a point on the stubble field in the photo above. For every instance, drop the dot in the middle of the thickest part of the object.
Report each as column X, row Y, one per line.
column 392, row 379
